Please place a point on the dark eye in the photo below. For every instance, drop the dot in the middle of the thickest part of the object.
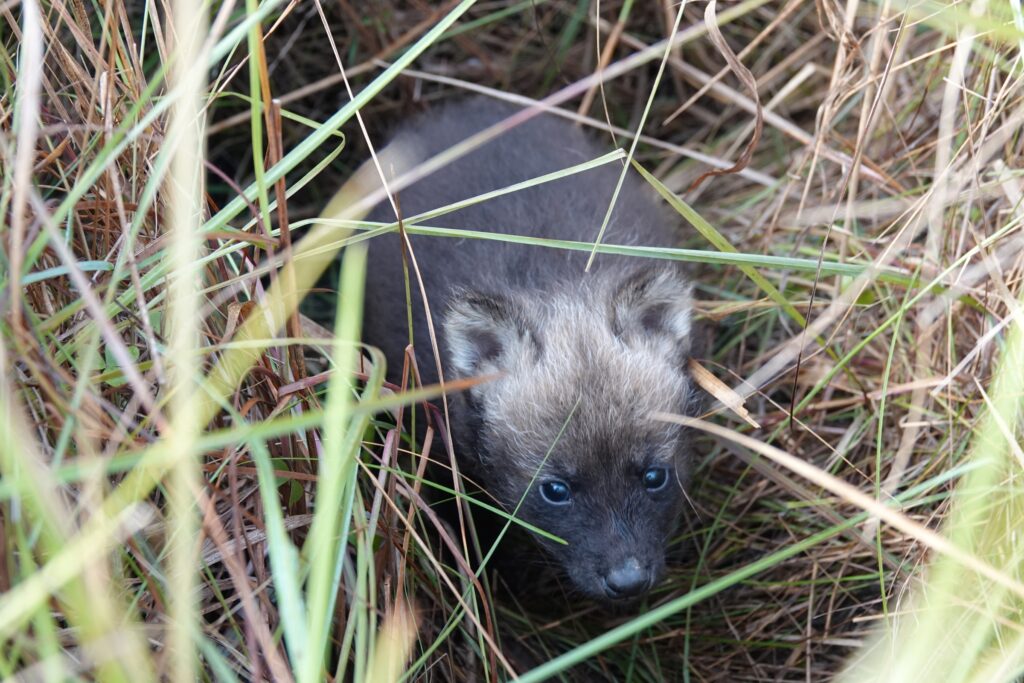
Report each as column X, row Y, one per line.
column 555, row 492
column 655, row 478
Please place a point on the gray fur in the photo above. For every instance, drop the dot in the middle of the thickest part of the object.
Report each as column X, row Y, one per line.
column 594, row 353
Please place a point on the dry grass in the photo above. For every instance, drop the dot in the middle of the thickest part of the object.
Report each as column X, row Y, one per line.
column 887, row 172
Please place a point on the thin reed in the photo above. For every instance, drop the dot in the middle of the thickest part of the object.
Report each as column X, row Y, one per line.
column 202, row 473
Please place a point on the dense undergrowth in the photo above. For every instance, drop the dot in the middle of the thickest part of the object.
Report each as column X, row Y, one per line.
column 202, row 479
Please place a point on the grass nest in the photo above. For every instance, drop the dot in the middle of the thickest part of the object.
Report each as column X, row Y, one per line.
column 203, row 480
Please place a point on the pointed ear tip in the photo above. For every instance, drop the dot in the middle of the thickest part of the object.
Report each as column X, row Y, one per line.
column 671, row 283
column 463, row 304
column 676, row 275
column 471, row 311
column 661, row 272
column 458, row 295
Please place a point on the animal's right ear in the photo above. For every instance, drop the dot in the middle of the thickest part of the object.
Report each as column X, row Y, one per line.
column 485, row 332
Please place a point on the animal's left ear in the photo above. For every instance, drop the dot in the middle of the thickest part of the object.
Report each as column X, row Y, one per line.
column 654, row 304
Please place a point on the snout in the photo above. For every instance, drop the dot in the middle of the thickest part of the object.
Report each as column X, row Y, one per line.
column 628, row 580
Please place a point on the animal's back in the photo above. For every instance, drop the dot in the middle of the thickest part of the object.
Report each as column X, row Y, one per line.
column 570, row 208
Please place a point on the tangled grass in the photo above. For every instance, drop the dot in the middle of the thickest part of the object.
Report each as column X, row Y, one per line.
column 200, row 480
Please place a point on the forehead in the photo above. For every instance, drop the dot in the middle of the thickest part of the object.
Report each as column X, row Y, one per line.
column 591, row 393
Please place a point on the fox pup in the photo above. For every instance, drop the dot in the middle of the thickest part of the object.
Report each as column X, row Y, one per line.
column 583, row 358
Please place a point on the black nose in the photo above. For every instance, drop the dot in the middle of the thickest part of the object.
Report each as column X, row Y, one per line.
column 628, row 580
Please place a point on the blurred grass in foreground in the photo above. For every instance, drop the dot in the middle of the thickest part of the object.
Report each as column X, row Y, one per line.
column 184, row 495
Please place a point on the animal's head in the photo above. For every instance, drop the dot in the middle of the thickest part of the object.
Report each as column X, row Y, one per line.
column 567, row 428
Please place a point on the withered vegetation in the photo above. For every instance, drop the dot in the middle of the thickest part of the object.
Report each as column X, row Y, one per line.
column 860, row 275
